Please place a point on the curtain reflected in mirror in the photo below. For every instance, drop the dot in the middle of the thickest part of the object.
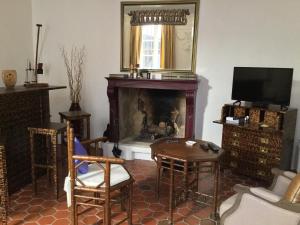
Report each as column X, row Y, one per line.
column 167, row 47
column 159, row 36
column 135, row 44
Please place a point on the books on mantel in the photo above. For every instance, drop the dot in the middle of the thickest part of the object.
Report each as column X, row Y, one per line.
column 124, row 75
column 159, row 76
column 178, row 76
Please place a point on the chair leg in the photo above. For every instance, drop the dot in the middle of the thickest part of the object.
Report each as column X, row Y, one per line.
column 158, row 177
column 107, row 208
column 4, row 216
column 48, row 158
column 197, row 169
column 129, row 208
column 185, row 180
column 124, row 191
column 74, row 214
column 4, row 203
column 54, row 161
column 33, row 178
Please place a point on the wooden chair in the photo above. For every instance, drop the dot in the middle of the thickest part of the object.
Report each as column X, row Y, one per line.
column 3, row 184
column 92, row 146
column 49, row 130
column 107, row 182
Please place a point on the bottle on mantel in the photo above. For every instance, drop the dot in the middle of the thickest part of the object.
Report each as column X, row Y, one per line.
column 131, row 71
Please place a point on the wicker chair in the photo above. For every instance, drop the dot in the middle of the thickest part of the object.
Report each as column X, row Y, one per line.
column 3, row 184
column 106, row 183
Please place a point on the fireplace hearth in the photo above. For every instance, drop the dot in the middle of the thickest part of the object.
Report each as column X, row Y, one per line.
column 143, row 110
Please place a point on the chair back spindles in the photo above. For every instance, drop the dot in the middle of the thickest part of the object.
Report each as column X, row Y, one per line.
column 70, row 147
column 94, row 188
column 70, row 141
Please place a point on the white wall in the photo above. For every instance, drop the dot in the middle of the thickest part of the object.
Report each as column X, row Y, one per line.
column 94, row 24
column 243, row 33
column 15, row 36
column 231, row 33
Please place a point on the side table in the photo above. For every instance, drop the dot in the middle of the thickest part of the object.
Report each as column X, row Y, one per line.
column 77, row 119
column 176, row 154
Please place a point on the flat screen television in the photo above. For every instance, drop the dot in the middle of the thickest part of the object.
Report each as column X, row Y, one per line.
column 262, row 85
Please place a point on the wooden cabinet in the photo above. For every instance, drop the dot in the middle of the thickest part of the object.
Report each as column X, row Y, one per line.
column 21, row 108
column 265, row 141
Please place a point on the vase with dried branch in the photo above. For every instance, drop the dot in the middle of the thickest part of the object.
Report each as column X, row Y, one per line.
column 74, row 63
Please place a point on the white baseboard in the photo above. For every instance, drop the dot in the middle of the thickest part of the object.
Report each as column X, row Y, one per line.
column 130, row 151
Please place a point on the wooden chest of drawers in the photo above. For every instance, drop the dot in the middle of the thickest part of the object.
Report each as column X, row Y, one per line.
column 252, row 149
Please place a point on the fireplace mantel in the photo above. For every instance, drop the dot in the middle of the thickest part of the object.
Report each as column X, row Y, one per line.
column 189, row 87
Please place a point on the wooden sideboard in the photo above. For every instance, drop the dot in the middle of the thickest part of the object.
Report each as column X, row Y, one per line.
column 265, row 141
column 20, row 108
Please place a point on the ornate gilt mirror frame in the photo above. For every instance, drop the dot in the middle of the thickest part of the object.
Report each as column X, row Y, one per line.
column 175, row 13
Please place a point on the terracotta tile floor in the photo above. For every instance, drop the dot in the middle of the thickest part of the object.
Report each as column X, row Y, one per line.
column 44, row 209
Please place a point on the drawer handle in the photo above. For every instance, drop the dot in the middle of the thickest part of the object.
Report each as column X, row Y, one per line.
column 262, row 161
column 263, row 149
column 261, row 173
column 264, row 140
column 234, row 153
column 236, row 143
column 235, row 134
column 233, row 164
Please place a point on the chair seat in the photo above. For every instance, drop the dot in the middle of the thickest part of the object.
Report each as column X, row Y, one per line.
column 227, row 204
column 95, row 175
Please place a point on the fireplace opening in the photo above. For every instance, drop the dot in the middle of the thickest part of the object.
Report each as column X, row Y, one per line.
column 148, row 114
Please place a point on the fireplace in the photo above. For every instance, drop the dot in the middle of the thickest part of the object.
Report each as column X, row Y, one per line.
column 144, row 110
column 149, row 114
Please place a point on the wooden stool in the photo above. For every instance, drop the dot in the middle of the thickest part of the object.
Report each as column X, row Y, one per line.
column 77, row 119
column 52, row 130
column 3, row 184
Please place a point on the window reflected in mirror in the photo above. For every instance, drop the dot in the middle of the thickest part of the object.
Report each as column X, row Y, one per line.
column 151, row 47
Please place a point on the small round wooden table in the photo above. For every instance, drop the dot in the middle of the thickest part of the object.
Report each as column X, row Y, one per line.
column 181, row 157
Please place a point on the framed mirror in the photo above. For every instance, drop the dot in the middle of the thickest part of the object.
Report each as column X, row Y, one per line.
column 159, row 35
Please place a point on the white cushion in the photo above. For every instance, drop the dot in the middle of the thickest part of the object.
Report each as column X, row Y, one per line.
column 265, row 194
column 281, row 185
column 95, row 176
column 254, row 211
column 227, row 204
column 289, row 174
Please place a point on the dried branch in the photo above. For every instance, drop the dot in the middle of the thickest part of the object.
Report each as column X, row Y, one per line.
column 74, row 64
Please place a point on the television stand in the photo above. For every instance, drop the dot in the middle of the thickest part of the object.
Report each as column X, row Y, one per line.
column 284, row 108
column 260, row 105
column 237, row 102
column 265, row 141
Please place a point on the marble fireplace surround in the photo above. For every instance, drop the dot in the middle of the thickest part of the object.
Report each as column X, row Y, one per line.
column 141, row 150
